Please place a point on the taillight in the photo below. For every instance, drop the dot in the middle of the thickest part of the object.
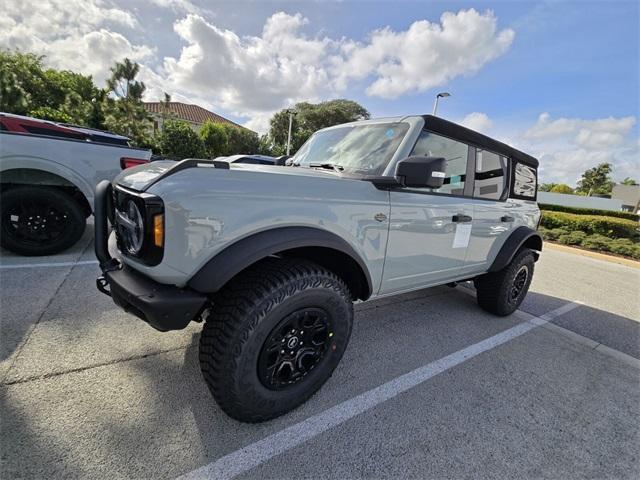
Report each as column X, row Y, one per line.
column 128, row 162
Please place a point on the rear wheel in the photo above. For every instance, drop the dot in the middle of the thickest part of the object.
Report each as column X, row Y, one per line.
column 502, row 292
column 274, row 337
column 39, row 220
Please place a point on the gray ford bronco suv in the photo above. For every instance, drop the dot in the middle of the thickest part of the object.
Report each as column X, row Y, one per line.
column 271, row 258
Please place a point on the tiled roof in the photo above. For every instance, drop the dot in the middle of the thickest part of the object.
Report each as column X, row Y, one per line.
column 190, row 113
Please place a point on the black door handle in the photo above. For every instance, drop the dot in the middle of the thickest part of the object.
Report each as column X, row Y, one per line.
column 507, row 218
column 461, row 218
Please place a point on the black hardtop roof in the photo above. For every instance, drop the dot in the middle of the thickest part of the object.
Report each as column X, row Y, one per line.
column 458, row 132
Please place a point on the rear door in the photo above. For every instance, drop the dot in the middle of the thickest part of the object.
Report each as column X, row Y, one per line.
column 429, row 228
column 493, row 215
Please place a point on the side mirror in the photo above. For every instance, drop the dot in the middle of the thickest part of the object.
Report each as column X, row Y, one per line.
column 419, row 171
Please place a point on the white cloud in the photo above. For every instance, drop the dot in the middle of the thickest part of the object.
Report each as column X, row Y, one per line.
column 566, row 147
column 424, row 56
column 72, row 34
column 569, row 146
column 177, row 5
column 477, row 121
column 250, row 74
column 255, row 75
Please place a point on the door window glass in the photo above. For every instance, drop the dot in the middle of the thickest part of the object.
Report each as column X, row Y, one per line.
column 491, row 175
column 454, row 152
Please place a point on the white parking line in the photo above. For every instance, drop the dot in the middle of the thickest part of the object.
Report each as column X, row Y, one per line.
column 48, row 265
column 263, row 450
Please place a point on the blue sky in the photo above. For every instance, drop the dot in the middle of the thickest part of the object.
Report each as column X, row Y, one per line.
column 557, row 79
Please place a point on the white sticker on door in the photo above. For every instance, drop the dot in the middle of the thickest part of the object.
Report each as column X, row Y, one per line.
column 463, row 233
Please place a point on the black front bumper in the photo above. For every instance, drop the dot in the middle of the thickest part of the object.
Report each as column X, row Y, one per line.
column 164, row 307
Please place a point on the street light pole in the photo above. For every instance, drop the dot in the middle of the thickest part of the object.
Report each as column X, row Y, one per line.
column 291, row 113
column 438, row 96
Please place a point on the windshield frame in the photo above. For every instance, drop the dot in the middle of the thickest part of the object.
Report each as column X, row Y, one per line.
column 412, row 123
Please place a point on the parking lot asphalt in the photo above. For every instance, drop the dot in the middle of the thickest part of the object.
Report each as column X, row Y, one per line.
column 430, row 386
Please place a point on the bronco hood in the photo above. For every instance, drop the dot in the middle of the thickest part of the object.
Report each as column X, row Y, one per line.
column 142, row 177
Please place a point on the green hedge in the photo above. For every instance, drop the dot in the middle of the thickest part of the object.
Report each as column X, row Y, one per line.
column 591, row 224
column 597, row 242
column 589, row 211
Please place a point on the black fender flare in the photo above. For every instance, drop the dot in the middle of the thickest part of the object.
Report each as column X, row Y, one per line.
column 247, row 251
column 520, row 237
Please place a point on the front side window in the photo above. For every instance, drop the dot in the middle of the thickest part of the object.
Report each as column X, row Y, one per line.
column 454, row 152
column 355, row 148
column 491, row 175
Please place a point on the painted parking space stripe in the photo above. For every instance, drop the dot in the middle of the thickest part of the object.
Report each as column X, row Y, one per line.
column 48, row 264
column 257, row 453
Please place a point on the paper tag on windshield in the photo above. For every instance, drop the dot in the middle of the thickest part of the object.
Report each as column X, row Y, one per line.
column 463, row 234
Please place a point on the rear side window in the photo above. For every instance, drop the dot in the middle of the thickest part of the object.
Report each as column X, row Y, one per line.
column 525, row 182
column 491, row 175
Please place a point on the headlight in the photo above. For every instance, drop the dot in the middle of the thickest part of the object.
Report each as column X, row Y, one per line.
column 131, row 227
column 138, row 218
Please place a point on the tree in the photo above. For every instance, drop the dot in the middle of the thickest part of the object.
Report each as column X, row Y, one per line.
column 628, row 181
column 310, row 118
column 596, row 180
column 546, row 187
column 215, row 139
column 124, row 111
column 240, row 140
column 27, row 88
column 165, row 108
column 562, row 188
column 179, row 141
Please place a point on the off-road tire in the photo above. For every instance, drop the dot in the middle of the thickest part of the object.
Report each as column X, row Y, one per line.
column 72, row 226
column 244, row 315
column 494, row 291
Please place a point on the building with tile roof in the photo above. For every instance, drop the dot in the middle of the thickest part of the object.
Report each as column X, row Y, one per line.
column 194, row 115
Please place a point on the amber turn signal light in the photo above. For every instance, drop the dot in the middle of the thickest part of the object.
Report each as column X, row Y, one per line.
column 158, row 230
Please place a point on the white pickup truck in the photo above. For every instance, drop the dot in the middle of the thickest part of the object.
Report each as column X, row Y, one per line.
column 48, row 174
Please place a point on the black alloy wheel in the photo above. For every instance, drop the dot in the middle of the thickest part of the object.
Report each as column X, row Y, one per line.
column 519, row 282
column 39, row 221
column 294, row 348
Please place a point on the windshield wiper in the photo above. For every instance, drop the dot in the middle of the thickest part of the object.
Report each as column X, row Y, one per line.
column 329, row 166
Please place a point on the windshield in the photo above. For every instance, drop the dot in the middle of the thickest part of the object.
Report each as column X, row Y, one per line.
column 355, row 148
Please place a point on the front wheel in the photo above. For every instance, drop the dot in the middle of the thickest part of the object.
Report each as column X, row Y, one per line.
column 502, row 292
column 39, row 220
column 274, row 337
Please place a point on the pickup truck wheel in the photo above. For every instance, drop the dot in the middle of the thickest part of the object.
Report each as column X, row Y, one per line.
column 274, row 336
column 39, row 221
column 502, row 292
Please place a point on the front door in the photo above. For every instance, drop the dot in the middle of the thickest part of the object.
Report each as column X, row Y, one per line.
column 430, row 228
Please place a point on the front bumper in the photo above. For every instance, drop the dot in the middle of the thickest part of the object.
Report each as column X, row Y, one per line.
column 164, row 307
